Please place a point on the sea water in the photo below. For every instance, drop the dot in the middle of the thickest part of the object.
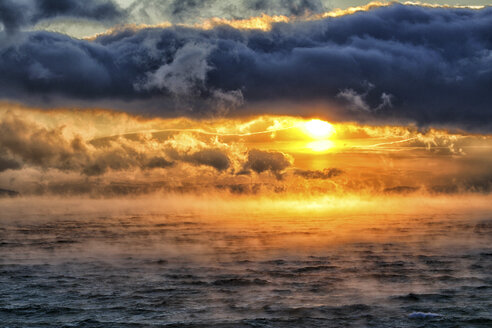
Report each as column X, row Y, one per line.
column 63, row 264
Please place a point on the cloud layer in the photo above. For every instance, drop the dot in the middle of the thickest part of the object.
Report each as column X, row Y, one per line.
column 191, row 11
column 103, row 153
column 16, row 14
column 401, row 63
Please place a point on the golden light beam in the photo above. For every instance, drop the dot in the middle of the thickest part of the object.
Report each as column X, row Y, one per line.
column 385, row 143
column 201, row 131
column 314, row 128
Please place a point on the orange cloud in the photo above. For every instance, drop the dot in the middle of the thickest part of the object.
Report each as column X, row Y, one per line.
column 108, row 152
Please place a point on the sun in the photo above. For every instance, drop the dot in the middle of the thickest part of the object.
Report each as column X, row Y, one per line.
column 319, row 129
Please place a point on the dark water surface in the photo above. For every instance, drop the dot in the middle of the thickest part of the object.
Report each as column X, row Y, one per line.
column 76, row 268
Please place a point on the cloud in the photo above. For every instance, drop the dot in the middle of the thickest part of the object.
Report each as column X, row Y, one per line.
column 395, row 48
column 185, row 78
column 386, row 101
column 401, row 190
column 16, row 14
column 191, row 11
column 158, row 162
column 478, row 184
column 316, row 174
column 185, row 74
column 25, row 143
column 215, row 158
column 8, row 163
column 261, row 161
column 421, row 69
column 65, row 152
column 357, row 101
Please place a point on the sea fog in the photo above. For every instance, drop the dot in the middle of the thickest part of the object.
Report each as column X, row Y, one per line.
column 243, row 261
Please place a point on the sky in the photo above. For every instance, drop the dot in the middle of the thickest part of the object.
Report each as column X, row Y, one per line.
column 245, row 97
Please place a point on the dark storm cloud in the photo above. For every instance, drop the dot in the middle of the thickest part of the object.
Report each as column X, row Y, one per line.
column 189, row 11
column 410, row 63
column 289, row 7
column 15, row 14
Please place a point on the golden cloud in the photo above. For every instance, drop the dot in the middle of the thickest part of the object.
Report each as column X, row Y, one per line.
column 43, row 151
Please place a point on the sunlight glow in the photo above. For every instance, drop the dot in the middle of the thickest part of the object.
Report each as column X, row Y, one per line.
column 319, row 129
column 320, row 145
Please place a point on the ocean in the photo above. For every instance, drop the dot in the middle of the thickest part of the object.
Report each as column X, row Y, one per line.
column 127, row 263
